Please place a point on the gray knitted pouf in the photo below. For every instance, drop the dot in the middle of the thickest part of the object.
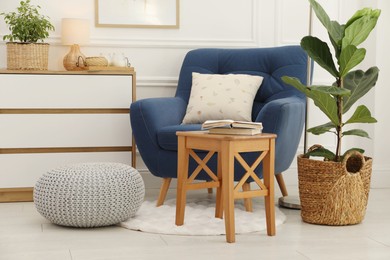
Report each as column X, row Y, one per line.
column 89, row 194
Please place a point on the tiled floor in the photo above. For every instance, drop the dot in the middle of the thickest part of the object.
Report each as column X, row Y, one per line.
column 24, row 234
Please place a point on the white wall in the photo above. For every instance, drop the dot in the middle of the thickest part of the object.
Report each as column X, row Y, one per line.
column 157, row 54
column 381, row 99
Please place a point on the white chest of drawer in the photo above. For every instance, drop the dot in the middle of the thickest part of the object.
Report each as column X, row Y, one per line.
column 52, row 118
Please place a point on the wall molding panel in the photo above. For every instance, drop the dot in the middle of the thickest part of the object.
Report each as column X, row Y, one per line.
column 166, row 82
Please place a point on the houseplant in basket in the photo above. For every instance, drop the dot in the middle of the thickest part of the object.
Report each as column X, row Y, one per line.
column 27, row 28
column 334, row 191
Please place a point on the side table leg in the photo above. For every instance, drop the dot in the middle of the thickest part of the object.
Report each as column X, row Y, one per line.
column 182, row 176
column 218, row 196
column 227, row 161
column 268, row 175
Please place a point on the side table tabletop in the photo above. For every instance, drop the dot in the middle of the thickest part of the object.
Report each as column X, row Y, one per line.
column 228, row 148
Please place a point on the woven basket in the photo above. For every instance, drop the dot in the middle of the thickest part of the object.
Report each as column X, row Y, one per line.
column 96, row 61
column 27, row 56
column 334, row 193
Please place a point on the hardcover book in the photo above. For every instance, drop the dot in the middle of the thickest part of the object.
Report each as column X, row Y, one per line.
column 227, row 123
column 235, row 131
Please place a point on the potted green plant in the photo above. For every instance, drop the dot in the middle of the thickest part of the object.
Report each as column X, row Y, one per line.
column 334, row 191
column 27, row 28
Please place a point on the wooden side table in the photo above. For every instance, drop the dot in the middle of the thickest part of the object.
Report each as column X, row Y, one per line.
column 228, row 148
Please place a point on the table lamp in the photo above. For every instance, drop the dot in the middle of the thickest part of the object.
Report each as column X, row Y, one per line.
column 75, row 32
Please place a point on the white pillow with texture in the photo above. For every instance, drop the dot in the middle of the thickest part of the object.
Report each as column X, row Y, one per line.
column 216, row 96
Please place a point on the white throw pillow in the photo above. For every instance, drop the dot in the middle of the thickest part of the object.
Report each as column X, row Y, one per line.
column 216, row 96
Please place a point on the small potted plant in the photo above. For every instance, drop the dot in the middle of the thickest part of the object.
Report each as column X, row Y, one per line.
column 25, row 49
column 334, row 191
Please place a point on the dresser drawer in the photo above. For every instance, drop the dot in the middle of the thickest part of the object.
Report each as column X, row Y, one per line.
column 65, row 91
column 65, row 130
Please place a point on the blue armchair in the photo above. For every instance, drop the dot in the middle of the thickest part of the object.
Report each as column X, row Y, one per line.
column 281, row 109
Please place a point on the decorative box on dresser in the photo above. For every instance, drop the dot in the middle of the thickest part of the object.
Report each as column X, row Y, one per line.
column 54, row 118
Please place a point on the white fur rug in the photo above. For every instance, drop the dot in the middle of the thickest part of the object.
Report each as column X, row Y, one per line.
column 199, row 218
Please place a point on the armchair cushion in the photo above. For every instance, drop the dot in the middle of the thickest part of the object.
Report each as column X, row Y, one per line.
column 218, row 96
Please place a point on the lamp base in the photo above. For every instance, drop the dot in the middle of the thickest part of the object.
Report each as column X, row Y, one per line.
column 74, row 60
column 290, row 202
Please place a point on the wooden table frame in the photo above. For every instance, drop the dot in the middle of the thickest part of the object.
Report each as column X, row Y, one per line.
column 228, row 148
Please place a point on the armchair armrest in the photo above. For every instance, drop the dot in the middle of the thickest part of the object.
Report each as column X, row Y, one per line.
column 285, row 117
column 149, row 115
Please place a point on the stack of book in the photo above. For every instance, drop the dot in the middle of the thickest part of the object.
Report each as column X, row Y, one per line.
column 231, row 127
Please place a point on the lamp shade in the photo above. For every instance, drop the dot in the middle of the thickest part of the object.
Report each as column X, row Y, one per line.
column 75, row 31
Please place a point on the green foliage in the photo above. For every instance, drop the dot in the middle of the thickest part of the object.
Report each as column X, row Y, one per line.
column 320, row 53
column 27, row 25
column 350, row 85
column 359, row 83
column 319, row 151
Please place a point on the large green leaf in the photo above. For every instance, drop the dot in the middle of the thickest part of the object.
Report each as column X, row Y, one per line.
column 337, row 45
column 357, row 132
column 319, row 51
column 358, row 14
column 358, row 29
column 350, row 57
column 321, row 129
column 321, row 152
column 359, row 83
column 334, row 29
column 323, row 101
column 332, row 90
column 361, row 115
column 337, row 31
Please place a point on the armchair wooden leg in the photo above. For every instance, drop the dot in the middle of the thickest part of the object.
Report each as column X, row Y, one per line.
column 282, row 185
column 163, row 191
column 247, row 201
column 209, row 190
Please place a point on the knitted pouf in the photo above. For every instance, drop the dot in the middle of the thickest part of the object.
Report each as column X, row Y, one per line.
column 89, row 194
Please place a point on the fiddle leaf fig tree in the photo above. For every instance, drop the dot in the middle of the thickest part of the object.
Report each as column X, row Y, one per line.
column 27, row 25
column 349, row 86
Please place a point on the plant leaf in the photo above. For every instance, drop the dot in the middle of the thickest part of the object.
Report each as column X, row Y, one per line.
column 361, row 115
column 357, row 132
column 350, row 57
column 321, row 152
column 331, row 90
column 334, row 29
column 323, row 101
column 359, row 83
column 319, row 51
column 358, row 29
column 321, row 129
column 358, row 14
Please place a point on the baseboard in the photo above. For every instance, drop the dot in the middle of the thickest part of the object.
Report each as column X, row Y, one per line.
column 16, row 194
column 153, row 182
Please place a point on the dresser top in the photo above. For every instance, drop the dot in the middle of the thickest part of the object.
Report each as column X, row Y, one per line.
column 124, row 71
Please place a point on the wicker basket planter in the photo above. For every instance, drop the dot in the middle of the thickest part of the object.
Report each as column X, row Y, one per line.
column 27, row 56
column 334, row 193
